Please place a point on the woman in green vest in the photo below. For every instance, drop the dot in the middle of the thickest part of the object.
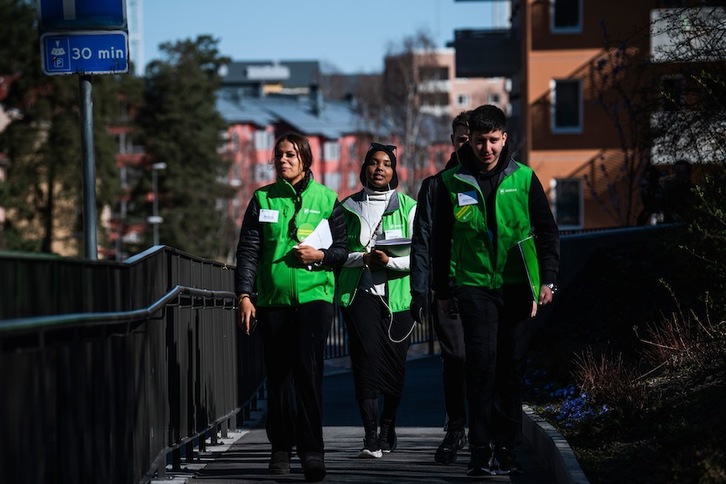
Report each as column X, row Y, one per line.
column 294, row 286
column 374, row 294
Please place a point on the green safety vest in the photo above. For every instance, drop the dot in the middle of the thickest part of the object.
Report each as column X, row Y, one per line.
column 395, row 217
column 473, row 258
column 281, row 279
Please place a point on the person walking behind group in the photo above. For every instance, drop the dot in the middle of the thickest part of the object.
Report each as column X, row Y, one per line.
column 447, row 326
column 489, row 211
column 374, row 294
column 294, row 285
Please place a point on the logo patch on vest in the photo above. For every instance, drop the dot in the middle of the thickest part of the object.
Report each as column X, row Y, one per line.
column 464, row 214
column 304, row 230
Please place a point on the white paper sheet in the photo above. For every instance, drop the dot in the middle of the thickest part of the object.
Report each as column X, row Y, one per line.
column 320, row 238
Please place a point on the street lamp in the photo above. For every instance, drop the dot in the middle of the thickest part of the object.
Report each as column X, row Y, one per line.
column 155, row 218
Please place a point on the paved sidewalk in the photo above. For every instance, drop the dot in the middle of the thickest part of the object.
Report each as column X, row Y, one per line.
column 244, row 456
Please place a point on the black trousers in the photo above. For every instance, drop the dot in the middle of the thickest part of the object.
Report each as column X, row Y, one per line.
column 497, row 334
column 294, row 341
column 450, row 334
column 379, row 364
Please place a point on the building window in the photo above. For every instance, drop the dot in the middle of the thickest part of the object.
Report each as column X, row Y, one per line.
column 566, row 16
column 435, row 99
column 263, row 140
column 463, row 100
column 567, row 106
column 352, row 180
column 568, row 201
column 236, row 180
column 434, row 73
column 672, row 93
column 494, row 98
column 332, row 181
column 235, row 142
column 331, row 151
column 264, row 173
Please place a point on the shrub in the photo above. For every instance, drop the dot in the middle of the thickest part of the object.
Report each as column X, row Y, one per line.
column 685, row 341
column 610, row 382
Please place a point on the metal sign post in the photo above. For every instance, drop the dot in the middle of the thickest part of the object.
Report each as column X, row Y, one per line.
column 84, row 37
column 89, row 168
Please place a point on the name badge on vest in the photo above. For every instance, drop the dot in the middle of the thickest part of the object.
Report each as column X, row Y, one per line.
column 393, row 234
column 467, row 198
column 269, row 216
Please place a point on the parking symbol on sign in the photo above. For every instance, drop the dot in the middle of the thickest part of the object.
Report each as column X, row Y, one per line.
column 59, row 55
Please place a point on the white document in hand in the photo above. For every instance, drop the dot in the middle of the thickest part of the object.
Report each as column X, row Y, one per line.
column 320, row 238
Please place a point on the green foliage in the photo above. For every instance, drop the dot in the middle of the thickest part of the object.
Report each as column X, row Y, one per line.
column 181, row 127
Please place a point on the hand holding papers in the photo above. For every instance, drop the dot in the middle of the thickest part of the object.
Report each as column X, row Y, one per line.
column 320, row 238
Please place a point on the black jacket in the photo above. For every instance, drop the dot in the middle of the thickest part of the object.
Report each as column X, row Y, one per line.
column 421, row 252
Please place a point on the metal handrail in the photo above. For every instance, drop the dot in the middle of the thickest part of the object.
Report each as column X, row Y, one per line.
column 64, row 320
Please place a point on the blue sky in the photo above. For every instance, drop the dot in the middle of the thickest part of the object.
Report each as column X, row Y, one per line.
column 351, row 35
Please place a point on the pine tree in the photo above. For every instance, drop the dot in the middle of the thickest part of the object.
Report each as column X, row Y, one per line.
column 182, row 128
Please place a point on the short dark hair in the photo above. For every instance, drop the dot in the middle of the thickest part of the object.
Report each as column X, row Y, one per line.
column 487, row 118
column 461, row 119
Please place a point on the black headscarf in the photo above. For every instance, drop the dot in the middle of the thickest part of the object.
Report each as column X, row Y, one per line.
column 390, row 150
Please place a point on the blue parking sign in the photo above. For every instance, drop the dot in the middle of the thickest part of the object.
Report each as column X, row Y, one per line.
column 92, row 52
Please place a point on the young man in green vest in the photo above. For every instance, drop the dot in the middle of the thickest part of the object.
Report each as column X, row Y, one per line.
column 493, row 225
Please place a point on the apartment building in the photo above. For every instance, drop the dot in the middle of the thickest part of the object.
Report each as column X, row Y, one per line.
column 336, row 139
column 445, row 94
column 588, row 85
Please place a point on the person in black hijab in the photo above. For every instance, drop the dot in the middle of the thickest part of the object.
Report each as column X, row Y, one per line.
column 373, row 290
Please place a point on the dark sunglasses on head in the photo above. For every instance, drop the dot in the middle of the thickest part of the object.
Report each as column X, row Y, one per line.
column 379, row 146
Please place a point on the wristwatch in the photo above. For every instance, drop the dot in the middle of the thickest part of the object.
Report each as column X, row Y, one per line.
column 552, row 286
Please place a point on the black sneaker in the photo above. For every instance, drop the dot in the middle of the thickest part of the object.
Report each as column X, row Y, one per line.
column 313, row 466
column 504, row 462
column 480, row 463
column 454, row 441
column 280, row 462
column 387, row 438
column 371, row 447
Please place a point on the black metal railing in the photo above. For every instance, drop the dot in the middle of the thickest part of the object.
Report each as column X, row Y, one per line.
column 111, row 370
